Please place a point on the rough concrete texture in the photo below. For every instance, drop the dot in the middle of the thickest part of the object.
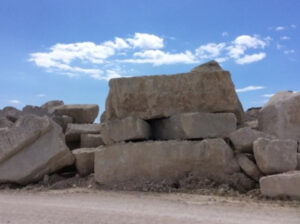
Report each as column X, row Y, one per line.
column 248, row 166
column 243, row 138
column 284, row 184
column 298, row 159
column 39, row 111
column 281, row 117
column 84, row 160
column 160, row 96
column 90, row 140
column 5, row 123
column 74, row 131
column 252, row 113
column 275, row 156
column 62, row 120
column 129, row 128
column 11, row 113
column 194, row 126
column 81, row 113
column 45, row 154
column 25, row 131
column 158, row 161
column 50, row 105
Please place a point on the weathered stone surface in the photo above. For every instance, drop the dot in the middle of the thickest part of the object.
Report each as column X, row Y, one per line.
column 275, row 156
column 50, row 105
column 211, row 66
column 46, row 154
column 248, row 166
column 129, row 128
column 5, row 123
column 74, row 131
column 194, row 126
column 298, row 158
column 164, row 160
column 25, row 131
column 63, row 120
column 252, row 124
column 84, row 160
column 90, row 140
column 11, row 113
column 154, row 97
column 34, row 110
column 252, row 113
column 81, row 113
column 243, row 138
column 281, row 117
column 285, row 184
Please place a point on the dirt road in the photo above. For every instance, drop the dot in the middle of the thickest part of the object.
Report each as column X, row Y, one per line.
column 140, row 208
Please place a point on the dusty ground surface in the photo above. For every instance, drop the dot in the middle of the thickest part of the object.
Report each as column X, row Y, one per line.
column 83, row 205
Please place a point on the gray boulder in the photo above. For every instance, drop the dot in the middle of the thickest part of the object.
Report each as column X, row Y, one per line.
column 81, row 113
column 285, row 184
column 281, row 117
column 161, row 96
column 11, row 113
column 62, row 120
column 158, row 161
column 275, row 156
column 211, row 66
column 248, row 166
column 74, row 131
column 39, row 111
column 5, row 123
column 42, row 152
column 50, row 105
column 194, row 126
column 243, row 138
column 91, row 140
column 84, row 160
column 126, row 129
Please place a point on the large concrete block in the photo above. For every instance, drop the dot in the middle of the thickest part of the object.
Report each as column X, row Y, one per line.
column 248, row 166
column 129, row 128
column 74, row 131
column 90, row 140
column 276, row 155
column 25, row 131
column 243, row 138
column 84, row 160
column 160, row 96
column 81, row 113
column 281, row 117
column 164, row 160
column 194, row 126
column 42, row 155
column 285, row 184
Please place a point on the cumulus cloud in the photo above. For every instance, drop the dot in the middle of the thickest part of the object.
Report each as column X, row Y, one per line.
column 102, row 61
column 14, row 101
column 249, row 88
column 280, row 28
column 251, row 58
column 146, row 41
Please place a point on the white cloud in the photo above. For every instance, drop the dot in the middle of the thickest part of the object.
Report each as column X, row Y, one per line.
column 225, row 34
column 268, row 95
column 250, row 58
column 285, row 38
column 210, row 50
column 100, row 61
column 158, row 57
column 249, row 88
column 146, row 41
column 14, row 101
column 279, row 28
column 292, row 51
column 41, row 95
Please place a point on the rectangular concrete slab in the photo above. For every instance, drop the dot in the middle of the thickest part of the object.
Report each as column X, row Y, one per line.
column 161, row 160
column 194, row 126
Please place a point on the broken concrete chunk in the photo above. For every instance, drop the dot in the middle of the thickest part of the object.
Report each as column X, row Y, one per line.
column 91, row 140
column 84, row 160
column 248, row 166
column 275, row 156
column 81, row 113
column 243, row 138
column 284, row 184
column 74, row 131
column 126, row 129
column 194, row 126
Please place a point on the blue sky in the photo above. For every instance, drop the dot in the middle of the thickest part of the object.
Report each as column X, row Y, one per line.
column 69, row 49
